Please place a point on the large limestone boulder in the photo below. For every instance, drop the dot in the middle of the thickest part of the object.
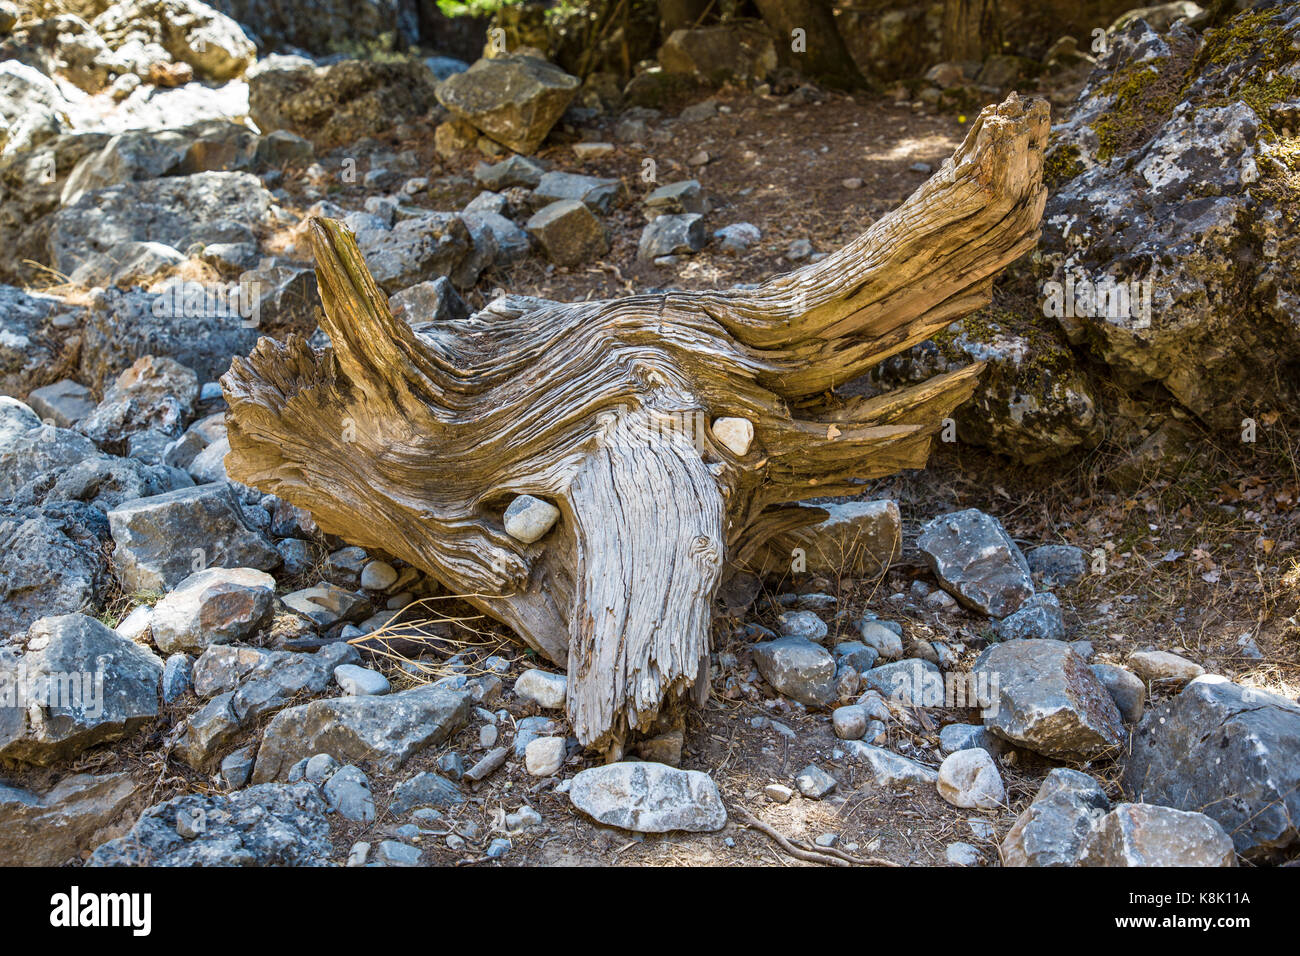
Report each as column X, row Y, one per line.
column 51, row 562
column 1138, row 834
column 191, row 32
column 1056, row 827
column 514, row 100
column 1171, row 171
column 53, row 827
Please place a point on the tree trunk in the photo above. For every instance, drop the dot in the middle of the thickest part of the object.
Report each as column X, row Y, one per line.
column 416, row 443
column 971, row 29
column 824, row 57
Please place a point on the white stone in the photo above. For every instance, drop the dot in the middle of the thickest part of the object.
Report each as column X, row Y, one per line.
column 850, row 722
column 962, row 854
column 887, row 644
column 360, row 681
column 970, row 779
column 543, row 757
column 736, row 434
column 1164, row 666
column 528, row 518
column 543, row 688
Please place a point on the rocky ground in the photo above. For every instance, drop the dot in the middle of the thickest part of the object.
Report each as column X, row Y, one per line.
column 1104, row 555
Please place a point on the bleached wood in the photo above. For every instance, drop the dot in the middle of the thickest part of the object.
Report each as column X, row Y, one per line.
column 415, row 443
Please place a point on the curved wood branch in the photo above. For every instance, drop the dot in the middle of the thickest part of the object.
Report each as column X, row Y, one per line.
column 415, row 443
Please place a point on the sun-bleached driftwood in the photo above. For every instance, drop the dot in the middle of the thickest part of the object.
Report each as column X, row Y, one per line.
column 416, row 443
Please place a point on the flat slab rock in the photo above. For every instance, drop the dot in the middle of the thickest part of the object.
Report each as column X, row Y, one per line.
column 1049, row 700
column 649, row 798
column 270, row 825
column 382, row 730
column 79, row 813
column 1228, row 751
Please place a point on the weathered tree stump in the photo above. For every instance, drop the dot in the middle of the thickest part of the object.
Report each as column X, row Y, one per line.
column 416, row 443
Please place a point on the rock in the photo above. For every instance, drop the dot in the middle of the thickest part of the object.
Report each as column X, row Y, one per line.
column 856, row 655
column 814, row 782
column 682, row 197
column 70, row 684
column 327, row 604
column 962, row 854
column 568, row 233
column 436, row 243
column 970, row 778
column 1057, row 564
column 976, row 562
column 1229, row 751
column 913, row 682
column 360, row 681
column 734, row 434
column 318, row 27
column 850, row 722
column 190, row 32
column 394, row 853
column 213, row 606
column 425, row 790
column 428, row 303
column 348, row 793
column 544, row 689
column 857, row 538
column 778, row 793
column 75, row 816
column 1164, row 667
column 237, row 768
column 1125, row 688
column 177, row 678
column 1039, row 617
column 30, row 451
column 384, row 730
column 1172, row 243
column 340, row 103
column 378, row 576
column 160, row 540
column 51, row 561
column 529, row 729
column 672, row 235
column 64, row 403
column 527, row 519
column 1136, row 834
column 544, row 756
column 737, row 238
column 1055, row 828
column 317, row 769
column 886, row 643
column 177, row 211
column 596, row 194
column 803, row 624
column 649, row 798
column 957, row 737
column 123, row 326
column 799, row 669
column 514, row 100
column 889, row 769
column 271, row 825
column 514, row 171
column 1049, row 701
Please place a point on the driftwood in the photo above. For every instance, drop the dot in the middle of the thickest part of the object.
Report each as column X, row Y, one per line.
column 611, row 410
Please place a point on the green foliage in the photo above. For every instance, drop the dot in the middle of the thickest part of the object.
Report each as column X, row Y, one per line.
column 473, row 8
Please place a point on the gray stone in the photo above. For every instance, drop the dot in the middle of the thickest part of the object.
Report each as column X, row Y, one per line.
column 889, row 769
column 857, row 538
column 850, row 722
column 384, row 730
column 327, row 604
column 1137, row 834
column 488, row 764
column 360, row 681
column 672, row 235
column 71, row 683
column 347, row 792
column 213, row 606
column 177, row 677
column 271, row 825
column 51, row 562
column 1164, row 668
column 1057, row 564
column 1229, row 751
column 1125, row 688
column 54, row 827
column 595, row 193
column 529, row 729
column 798, row 668
column 1053, row 830
column 856, row 654
column 425, row 790
column 970, row 778
column 814, row 782
column 237, row 768
column 528, row 519
column 436, row 243
column 883, row 640
column 804, row 624
column 1039, row 617
column 543, row 688
column 649, row 798
column 684, row 196
column 160, row 538
column 433, row 302
column 514, row 171
column 955, row 737
column 64, row 403
column 394, row 853
column 977, row 562
column 1049, row 701
column 914, row 682
column 737, row 238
